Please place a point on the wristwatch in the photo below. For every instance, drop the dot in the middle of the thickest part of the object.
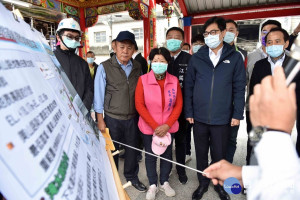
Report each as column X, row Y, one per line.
column 256, row 134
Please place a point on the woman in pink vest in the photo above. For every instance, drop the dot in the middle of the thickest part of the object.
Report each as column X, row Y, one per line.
column 158, row 100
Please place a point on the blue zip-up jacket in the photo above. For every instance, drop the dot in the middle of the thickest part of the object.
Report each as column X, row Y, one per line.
column 214, row 95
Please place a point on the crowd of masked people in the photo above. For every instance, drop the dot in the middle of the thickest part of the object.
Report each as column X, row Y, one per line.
column 159, row 103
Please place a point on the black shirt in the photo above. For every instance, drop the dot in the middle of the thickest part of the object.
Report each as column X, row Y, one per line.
column 78, row 72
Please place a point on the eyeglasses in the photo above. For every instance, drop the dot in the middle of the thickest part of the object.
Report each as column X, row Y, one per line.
column 71, row 37
column 212, row 32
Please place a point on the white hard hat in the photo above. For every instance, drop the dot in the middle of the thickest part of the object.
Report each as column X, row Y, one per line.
column 68, row 23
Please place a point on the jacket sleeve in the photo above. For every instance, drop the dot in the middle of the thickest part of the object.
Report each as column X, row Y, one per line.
column 254, row 79
column 189, row 90
column 88, row 95
column 239, row 84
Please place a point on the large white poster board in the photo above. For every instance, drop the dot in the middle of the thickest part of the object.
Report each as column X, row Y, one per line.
column 48, row 149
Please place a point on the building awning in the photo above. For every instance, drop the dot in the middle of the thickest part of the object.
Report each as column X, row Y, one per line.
column 201, row 10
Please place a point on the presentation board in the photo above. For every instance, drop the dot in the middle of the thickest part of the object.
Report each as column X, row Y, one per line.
column 48, row 147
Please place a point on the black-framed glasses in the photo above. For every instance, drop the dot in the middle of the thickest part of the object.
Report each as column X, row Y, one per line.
column 212, row 32
column 71, row 37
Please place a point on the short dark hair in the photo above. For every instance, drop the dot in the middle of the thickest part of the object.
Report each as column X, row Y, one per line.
column 273, row 22
column 284, row 32
column 136, row 47
column 176, row 29
column 220, row 21
column 114, row 40
column 160, row 51
column 90, row 53
column 187, row 45
column 233, row 22
column 198, row 37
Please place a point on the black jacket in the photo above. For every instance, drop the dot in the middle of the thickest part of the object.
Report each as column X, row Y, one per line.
column 210, row 91
column 78, row 72
column 143, row 62
column 262, row 68
column 178, row 67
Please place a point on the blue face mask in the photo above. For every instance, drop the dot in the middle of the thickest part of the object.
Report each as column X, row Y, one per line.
column 173, row 44
column 159, row 68
column 90, row 60
column 71, row 44
column 275, row 50
column 229, row 37
column 212, row 41
column 196, row 48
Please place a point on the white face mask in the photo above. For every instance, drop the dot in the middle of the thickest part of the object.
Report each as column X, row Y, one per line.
column 159, row 68
column 196, row 48
column 187, row 51
column 212, row 41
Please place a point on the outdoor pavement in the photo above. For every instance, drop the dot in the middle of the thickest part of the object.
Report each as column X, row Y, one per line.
column 185, row 191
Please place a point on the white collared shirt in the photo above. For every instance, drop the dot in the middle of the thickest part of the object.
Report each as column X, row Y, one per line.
column 278, row 62
column 175, row 56
column 215, row 58
column 277, row 175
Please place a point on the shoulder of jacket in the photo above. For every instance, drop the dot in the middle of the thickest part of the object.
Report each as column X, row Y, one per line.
column 108, row 61
column 185, row 55
column 260, row 65
column 136, row 63
column 262, row 61
column 256, row 52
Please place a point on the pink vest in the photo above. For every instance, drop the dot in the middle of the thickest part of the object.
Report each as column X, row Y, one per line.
column 153, row 101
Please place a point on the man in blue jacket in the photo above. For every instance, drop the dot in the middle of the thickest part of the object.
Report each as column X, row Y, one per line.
column 215, row 79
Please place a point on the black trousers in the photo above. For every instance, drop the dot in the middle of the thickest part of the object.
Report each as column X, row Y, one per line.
column 150, row 161
column 127, row 132
column 249, row 146
column 231, row 145
column 188, row 139
column 213, row 136
column 298, row 133
column 180, row 144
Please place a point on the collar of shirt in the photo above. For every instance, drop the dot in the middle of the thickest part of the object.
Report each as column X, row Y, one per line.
column 175, row 56
column 129, row 63
column 277, row 63
column 135, row 54
column 127, row 68
column 213, row 57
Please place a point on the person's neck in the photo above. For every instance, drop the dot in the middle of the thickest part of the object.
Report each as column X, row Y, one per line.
column 63, row 47
column 232, row 44
column 91, row 65
column 218, row 48
column 123, row 62
column 160, row 76
column 175, row 52
column 274, row 60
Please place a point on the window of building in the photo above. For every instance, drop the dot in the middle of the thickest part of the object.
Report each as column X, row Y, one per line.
column 100, row 37
column 138, row 32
